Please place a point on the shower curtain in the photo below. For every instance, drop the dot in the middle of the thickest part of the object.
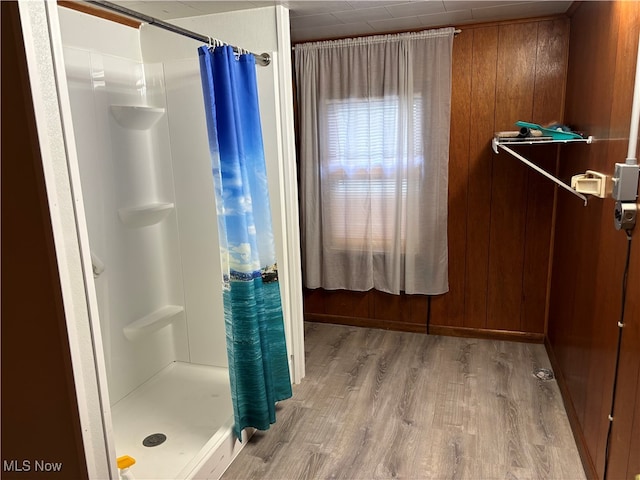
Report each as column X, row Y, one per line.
column 258, row 362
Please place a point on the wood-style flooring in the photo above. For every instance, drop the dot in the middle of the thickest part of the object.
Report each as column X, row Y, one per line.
column 378, row 404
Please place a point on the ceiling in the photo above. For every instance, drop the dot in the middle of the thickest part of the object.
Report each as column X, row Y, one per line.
column 313, row 20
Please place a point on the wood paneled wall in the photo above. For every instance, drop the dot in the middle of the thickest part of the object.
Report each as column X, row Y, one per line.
column 500, row 211
column 40, row 420
column 367, row 309
column 589, row 254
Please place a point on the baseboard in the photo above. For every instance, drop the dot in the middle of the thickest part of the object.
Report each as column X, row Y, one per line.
column 509, row 335
column 365, row 322
column 513, row 336
column 587, row 462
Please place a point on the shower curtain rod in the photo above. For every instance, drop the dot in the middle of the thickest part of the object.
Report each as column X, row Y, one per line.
column 262, row 59
column 456, row 32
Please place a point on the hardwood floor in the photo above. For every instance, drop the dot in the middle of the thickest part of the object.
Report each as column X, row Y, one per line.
column 382, row 404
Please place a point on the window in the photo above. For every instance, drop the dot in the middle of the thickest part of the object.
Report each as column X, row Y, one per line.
column 373, row 151
column 368, row 165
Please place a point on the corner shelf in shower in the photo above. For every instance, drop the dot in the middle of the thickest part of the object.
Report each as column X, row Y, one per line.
column 136, row 117
column 144, row 215
column 506, row 142
column 154, row 321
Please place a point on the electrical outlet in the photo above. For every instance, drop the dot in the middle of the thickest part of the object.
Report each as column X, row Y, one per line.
column 625, row 215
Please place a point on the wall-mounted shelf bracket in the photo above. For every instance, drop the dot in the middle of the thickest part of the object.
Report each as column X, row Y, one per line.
column 505, row 143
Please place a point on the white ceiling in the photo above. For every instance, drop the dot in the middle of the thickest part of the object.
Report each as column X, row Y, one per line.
column 313, row 20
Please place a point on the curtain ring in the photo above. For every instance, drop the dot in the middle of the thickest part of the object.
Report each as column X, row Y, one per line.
column 210, row 42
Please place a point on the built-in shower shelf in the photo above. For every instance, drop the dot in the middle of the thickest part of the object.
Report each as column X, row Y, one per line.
column 136, row 117
column 154, row 321
column 144, row 215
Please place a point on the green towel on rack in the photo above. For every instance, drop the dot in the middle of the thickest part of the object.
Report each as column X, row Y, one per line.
column 556, row 134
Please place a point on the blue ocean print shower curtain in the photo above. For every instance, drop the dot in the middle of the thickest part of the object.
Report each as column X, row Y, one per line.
column 258, row 362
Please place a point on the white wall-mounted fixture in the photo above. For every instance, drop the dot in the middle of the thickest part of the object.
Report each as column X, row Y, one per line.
column 592, row 183
column 625, row 215
column 625, row 176
column 97, row 265
column 505, row 144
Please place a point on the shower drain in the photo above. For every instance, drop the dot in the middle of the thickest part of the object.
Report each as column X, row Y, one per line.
column 154, row 440
column 544, row 374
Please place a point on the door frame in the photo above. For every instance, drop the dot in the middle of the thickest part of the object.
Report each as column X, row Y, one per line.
column 52, row 109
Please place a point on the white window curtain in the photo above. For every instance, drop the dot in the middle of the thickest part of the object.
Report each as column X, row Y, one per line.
column 374, row 153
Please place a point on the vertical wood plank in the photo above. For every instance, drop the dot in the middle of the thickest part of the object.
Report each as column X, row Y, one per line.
column 629, row 445
column 592, row 337
column 314, row 300
column 388, row 307
column 624, row 458
column 514, row 101
column 483, row 99
column 345, row 302
column 538, row 224
column 551, row 65
column 419, row 308
column 401, row 308
column 589, row 254
column 449, row 309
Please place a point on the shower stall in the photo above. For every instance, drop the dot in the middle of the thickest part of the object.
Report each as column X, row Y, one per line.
column 153, row 261
column 149, row 220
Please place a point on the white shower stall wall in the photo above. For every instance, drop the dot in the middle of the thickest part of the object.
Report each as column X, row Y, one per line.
column 140, row 134
column 126, row 174
column 124, row 154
